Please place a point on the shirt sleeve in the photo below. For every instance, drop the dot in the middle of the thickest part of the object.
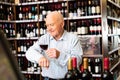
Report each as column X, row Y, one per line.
column 34, row 53
column 75, row 51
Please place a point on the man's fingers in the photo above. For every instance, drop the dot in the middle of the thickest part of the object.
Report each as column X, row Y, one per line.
column 47, row 63
column 44, row 62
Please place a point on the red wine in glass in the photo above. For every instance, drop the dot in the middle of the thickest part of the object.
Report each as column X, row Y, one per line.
column 44, row 46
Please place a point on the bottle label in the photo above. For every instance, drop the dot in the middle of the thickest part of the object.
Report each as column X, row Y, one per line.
column 97, row 9
column 93, row 10
column 20, row 15
column 96, row 69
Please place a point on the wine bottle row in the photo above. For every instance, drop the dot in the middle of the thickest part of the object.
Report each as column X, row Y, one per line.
column 27, row 12
column 85, row 73
column 82, row 27
column 28, row 66
column 27, row 30
column 46, row 8
column 9, row 29
column 23, row 1
column 6, row 12
column 113, row 27
column 76, row 9
column 8, row 1
column 30, row 30
column 32, row 76
column 114, row 58
column 84, row 8
column 31, row 12
column 113, row 11
column 23, row 45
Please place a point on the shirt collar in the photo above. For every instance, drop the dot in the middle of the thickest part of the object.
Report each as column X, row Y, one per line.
column 62, row 37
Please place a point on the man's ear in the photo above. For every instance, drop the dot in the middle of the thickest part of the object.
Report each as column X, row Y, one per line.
column 62, row 24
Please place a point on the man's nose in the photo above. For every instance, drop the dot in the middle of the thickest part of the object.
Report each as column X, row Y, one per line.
column 49, row 28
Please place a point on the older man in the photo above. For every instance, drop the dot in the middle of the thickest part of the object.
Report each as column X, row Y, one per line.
column 61, row 46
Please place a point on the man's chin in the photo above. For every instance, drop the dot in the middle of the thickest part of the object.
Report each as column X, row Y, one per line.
column 52, row 35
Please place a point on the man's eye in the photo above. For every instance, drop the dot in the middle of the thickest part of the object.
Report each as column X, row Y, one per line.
column 51, row 24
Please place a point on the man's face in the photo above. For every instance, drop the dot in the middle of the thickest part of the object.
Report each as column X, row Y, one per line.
column 54, row 27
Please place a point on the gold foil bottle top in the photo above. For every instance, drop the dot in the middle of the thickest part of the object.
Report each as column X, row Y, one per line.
column 85, row 63
column 70, row 64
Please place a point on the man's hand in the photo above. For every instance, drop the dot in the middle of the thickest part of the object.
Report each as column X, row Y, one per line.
column 53, row 53
column 43, row 62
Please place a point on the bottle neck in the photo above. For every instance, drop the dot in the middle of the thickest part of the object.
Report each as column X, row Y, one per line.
column 85, row 64
column 106, row 63
column 69, row 64
column 74, row 62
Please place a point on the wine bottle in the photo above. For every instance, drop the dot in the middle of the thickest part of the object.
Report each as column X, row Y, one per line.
column 98, row 69
column 20, row 13
column 86, row 75
column 93, row 7
column 10, row 13
column 90, row 65
column 18, row 47
column 13, row 48
column 84, row 28
column 107, row 75
column 69, row 74
column 77, row 74
column 99, row 29
column 97, row 8
column 89, row 10
column 97, row 66
column 2, row 12
column 91, row 27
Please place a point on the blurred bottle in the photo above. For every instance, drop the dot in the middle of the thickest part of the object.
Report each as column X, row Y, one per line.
column 86, row 75
column 107, row 75
column 69, row 75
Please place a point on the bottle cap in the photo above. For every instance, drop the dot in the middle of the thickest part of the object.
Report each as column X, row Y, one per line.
column 74, row 62
column 70, row 64
column 106, row 63
column 85, row 63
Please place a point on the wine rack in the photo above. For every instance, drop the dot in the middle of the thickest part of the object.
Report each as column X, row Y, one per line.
column 113, row 10
column 99, row 20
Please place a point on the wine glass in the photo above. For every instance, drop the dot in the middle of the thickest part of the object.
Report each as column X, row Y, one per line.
column 44, row 46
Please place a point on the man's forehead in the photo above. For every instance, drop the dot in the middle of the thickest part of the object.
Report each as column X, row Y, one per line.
column 51, row 19
column 54, row 13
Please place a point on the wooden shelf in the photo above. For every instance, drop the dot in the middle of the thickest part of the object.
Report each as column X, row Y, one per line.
column 114, row 3
column 112, row 18
column 92, row 56
column 24, row 38
column 38, row 2
column 85, row 17
column 26, row 72
column 110, row 35
column 6, row 3
column 25, row 21
column 89, row 36
column 112, row 51
column 6, row 21
column 112, row 68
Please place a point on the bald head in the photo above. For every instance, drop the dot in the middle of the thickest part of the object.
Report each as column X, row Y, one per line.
column 57, row 16
column 55, row 24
